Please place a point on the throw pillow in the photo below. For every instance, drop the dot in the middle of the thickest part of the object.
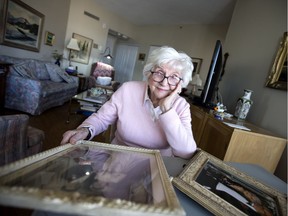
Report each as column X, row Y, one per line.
column 41, row 70
column 53, row 71
column 57, row 74
column 66, row 77
column 24, row 70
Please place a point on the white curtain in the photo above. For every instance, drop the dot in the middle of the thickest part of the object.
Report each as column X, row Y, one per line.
column 124, row 62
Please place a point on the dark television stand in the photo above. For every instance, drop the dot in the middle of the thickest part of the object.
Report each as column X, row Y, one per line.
column 196, row 100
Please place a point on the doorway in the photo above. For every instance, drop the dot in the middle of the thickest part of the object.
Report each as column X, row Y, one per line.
column 124, row 64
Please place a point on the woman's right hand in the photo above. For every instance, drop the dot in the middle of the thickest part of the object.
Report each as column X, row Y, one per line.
column 72, row 136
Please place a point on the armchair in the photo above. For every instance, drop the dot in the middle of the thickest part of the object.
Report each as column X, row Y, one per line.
column 99, row 69
column 17, row 139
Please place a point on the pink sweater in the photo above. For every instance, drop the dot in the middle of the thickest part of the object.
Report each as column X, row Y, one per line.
column 171, row 133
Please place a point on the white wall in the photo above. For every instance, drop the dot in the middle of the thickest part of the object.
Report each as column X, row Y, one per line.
column 196, row 40
column 55, row 21
column 252, row 41
column 93, row 29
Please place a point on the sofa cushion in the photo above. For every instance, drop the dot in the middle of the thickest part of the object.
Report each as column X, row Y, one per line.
column 41, row 70
column 65, row 76
column 53, row 72
column 24, row 70
column 57, row 74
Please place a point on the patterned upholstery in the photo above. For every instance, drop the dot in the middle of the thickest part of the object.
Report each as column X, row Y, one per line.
column 31, row 85
column 17, row 139
column 102, row 69
column 98, row 69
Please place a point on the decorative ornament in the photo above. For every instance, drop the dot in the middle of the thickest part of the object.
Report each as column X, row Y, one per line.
column 219, row 111
column 243, row 105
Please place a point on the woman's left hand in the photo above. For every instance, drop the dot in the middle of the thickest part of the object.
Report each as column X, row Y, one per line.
column 165, row 104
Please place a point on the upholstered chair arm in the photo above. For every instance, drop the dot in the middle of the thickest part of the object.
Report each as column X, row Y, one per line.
column 13, row 137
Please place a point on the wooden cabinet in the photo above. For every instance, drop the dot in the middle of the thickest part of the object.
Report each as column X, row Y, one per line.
column 257, row 146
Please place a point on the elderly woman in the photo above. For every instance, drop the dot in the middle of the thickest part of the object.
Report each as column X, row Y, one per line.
column 148, row 114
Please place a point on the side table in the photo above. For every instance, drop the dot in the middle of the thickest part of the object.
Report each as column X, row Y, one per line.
column 82, row 82
column 4, row 70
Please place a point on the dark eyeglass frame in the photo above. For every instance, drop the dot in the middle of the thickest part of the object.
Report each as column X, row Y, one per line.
column 164, row 77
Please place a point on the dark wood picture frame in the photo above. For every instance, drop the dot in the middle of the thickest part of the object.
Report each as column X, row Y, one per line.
column 21, row 25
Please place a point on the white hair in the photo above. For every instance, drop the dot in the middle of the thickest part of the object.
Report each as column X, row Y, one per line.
column 180, row 61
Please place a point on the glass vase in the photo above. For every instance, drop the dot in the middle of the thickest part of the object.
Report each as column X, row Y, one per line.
column 243, row 105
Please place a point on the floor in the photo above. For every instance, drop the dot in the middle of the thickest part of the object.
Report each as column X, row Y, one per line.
column 54, row 123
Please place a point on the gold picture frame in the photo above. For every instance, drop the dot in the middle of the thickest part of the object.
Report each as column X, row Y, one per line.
column 85, row 44
column 18, row 34
column 278, row 76
column 49, row 38
column 225, row 191
column 91, row 177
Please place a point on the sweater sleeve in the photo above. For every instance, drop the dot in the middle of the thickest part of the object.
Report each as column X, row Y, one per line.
column 176, row 124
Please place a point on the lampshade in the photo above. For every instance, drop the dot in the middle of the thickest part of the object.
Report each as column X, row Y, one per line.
column 108, row 56
column 73, row 44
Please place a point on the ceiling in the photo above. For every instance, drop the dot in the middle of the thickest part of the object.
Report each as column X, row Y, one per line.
column 171, row 12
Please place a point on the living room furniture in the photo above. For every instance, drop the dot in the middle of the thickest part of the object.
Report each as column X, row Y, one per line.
column 4, row 70
column 89, row 103
column 98, row 69
column 17, row 139
column 82, row 82
column 34, row 86
column 227, row 143
column 174, row 166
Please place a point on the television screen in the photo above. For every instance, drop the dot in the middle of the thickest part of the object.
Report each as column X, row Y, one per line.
column 210, row 89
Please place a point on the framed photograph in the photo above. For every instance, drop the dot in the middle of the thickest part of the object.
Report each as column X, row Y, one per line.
column 21, row 26
column 197, row 65
column 141, row 56
column 278, row 76
column 224, row 190
column 49, row 38
column 85, row 44
column 91, row 177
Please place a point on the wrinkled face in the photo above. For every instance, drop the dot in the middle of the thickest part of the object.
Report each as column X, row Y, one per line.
column 162, row 89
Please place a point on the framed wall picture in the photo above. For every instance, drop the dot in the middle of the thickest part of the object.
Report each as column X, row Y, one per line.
column 49, row 38
column 224, row 190
column 278, row 76
column 141, row 56
column 85, row 44
column 91, row 177
column 21, row 26
column 197, row 65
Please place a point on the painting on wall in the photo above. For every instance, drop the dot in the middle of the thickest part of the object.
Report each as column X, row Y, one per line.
column 278, row 76
column 49, row 38
column 21, row 25
column 197, row 65
column 85, row 44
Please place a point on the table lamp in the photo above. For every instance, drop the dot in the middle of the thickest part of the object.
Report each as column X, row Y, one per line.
column 72, row 46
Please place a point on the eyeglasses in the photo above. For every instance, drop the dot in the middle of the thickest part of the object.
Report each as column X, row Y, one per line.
column 159, row 77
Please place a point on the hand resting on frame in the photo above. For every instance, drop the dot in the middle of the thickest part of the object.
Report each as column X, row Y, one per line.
column 72, row 136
